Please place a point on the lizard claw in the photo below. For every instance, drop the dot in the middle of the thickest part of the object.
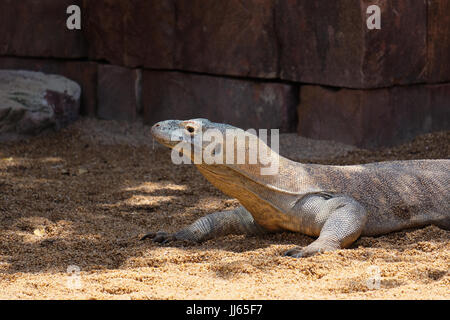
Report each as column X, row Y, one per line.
column 294, row 253
column 311, row 250
column 160, row 237
column 150, row 235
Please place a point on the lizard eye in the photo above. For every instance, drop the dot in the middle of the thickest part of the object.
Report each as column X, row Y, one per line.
column 190, row 129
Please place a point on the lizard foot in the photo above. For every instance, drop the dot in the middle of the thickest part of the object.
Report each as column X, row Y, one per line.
column 294, row 253
column 307, row 251
column 160, row 237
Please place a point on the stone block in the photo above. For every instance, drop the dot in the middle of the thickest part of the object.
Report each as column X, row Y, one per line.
column 118, row 92
column 373, row 118
column 131, row 33
column 227, row 37
column 30, row 28
column 328, row 43
column 242, row 103
column 438, row 41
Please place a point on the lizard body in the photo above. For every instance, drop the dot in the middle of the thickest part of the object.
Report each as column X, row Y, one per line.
column 336, row 204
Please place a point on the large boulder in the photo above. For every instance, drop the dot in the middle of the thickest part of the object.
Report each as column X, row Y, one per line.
column 82, row 72
column 31, row 102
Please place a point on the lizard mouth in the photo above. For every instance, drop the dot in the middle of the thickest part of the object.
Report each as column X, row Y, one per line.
column 167, row 133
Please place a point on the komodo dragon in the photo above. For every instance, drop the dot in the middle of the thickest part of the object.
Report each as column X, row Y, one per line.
column 337, row 204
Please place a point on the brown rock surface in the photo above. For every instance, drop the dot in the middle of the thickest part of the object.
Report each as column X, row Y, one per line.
column 38, row 29
column 395, row 54
column 188, row 35
column 320, row 42
column 438, row 41
column 372, row 118
column 131, row 33
column 118, row 93
column 328, row 42
column 227, row 37
column 242, row 103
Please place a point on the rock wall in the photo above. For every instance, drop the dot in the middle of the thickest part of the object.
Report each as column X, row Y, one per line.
column 310, row 66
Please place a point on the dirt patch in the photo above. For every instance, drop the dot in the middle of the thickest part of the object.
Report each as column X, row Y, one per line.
column 82, row 197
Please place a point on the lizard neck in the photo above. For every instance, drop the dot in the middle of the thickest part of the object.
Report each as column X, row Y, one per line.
column 269, row 198
column 288, row 177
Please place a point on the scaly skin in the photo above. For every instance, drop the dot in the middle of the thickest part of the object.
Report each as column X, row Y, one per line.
column 336, row 204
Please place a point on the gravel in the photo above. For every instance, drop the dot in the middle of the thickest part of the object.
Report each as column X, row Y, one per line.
column 84, row 196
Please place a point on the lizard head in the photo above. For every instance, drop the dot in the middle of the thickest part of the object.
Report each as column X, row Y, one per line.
column 173, row 132
column 209, row 143
column 195, row 135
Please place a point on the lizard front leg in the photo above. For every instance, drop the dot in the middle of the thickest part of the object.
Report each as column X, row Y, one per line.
column 345, row 221
column 237, row 221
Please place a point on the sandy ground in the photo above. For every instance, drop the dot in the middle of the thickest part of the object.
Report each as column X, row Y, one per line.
column 74, row 204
